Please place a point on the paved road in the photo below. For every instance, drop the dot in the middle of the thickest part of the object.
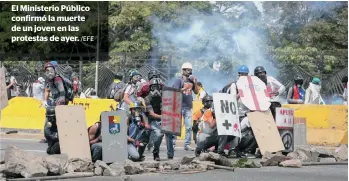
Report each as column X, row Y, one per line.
column 311, row 173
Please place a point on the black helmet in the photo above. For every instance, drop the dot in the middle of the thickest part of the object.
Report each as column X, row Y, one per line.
column 258, row 70
column 50, row 111
column 207, row 101
column 153, row 74
column 345, row 79
column 298, row 79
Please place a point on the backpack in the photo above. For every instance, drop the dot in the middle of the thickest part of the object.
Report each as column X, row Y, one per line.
column 119, row 94
column 68, row 88
column 114, row 88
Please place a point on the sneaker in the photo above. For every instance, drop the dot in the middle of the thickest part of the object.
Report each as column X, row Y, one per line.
column 188, row 148
column 156, row 157
column 170, row 157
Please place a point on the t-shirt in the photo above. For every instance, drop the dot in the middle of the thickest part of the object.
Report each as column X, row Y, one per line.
column 187, row 101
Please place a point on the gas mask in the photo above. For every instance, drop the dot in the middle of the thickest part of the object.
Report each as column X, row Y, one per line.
column 137, row 113
column 155, row 90
column 208, row 104
column 50, row 73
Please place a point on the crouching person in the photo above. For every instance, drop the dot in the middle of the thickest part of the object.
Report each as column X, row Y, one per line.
column 137, row 132
column 95, row 138
column 51, row 132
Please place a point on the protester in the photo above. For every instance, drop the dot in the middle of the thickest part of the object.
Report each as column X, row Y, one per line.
column 344, row 96
column 312, row 93
column 296, row 93
column 51, row 132
column 95, row 138
column 11, row 85
column 202, row 93
column 187, row 84
column 71, row 75
column 129, row 95
column 93, row 95
column 116, row 85
column 39, row 89
column 276, row 88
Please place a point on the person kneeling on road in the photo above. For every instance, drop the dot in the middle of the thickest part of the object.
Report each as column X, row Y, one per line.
column 95, row 138
column 138, row 136
column 51, row 132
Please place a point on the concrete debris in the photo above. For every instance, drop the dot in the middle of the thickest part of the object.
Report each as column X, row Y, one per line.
column 109, row 172
column 341, row 153
column 56, row 164
column 307, row 154
column 187, row 159
column 80, row 165
column 270, row 159
column 245, row 163
column 150, row 170
column 218, row 159
column 101, row 164
column 294, row 163
column 323, row 152
column 126, row 178
column 21, row 163
column 327, row 160
column 98, row 171
column 132, row 168
column 173, row 164
column 150, row 164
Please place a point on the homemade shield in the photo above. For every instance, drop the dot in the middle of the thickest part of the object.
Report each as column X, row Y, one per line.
column 3, row 90
column 227, row 116
column 72, row 131
column 114, row 136
column 253, row 93
column 265, row 131
column 171, row 112
column 284, row 118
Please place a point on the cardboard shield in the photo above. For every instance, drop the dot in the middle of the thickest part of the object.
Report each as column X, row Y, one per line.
column 171, row 111
column 253, row 93
column 265, row 131
column 3, row 90
column 72, row 131
column 284, row 119
column 114, row 136
column 227, row 116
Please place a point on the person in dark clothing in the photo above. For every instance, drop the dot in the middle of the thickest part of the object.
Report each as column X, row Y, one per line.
column 55, row 85
column 95, row 138
column 51, row 132
column 296, row 93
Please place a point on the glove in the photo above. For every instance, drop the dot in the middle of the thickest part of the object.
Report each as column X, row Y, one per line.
column 44, row 103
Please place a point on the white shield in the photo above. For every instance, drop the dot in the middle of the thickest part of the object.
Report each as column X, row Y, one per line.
column 253, row 93
column 171, row 111
column 114, row 136
column 227, row 116
column 3, row 90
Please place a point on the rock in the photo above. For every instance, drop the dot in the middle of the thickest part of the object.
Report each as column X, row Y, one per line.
column 201, row 167
column 98, row 171
column 126, row 178
column 101, row 164
column 184, row 167
column 323, row 152
column 187, row 159
column 150, row 170
column 150, row 164
column 109, row 172
column 118, row 168
column 293, row 155
column 210, row 168
column 174, row 164
column 269, row 159
column 19, row 162
column 308, row 154
column 167, row 168
column 252, row 164
column 79, row 165
column 341, row 153
column 56, row 164
column 218, row 159
column 132, row 168
column 327, row 160
column 294, row 163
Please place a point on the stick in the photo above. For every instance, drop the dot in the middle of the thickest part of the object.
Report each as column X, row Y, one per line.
column 78, row 175
column 216, row 166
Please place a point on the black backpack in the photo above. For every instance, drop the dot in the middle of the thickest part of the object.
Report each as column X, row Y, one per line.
column 116, row 89
column 68, row 88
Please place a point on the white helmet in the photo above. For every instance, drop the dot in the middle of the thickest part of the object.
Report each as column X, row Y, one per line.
column 187, row 65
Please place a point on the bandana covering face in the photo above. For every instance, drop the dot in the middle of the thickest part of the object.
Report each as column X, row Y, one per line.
column 50, row 73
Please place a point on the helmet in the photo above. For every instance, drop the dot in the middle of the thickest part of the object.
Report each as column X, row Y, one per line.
column 136, row 104
column 298, row 79
column 54, row 63
column 50, row 111
column 152, row 74
column 316, row 80
column 243, row 69
column 155, row 81
column 207, row 98
column 187, row 65
column 345, row 79
column 133, row 73
column 258, row 70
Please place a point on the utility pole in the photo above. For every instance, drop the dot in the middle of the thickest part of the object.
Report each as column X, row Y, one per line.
column 97, row 59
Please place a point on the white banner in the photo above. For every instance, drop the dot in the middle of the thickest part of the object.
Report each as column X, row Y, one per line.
column 284, row 117
column 227, row 116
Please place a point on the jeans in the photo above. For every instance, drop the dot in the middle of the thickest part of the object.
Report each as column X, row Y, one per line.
column 157, row 138
column 96, row 151
column 132, row 152
column 205, row 141
column 187, row 115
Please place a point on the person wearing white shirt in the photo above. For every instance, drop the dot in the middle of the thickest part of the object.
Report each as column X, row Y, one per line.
column 39, row 89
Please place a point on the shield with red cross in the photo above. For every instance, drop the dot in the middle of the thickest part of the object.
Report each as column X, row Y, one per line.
column 253, row 92
column 171, row 111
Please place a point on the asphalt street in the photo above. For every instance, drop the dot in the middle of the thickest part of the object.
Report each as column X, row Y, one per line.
column 310, row 173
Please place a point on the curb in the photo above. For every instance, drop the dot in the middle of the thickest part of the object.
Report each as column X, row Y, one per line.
column 318, row 163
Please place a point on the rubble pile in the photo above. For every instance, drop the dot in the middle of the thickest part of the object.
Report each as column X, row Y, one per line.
column 306, row 154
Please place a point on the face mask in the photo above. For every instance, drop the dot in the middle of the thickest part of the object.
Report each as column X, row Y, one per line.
column 155, row 91
column 263, row 78
column 50, row 73
column 187, row 72
column 208, row 104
